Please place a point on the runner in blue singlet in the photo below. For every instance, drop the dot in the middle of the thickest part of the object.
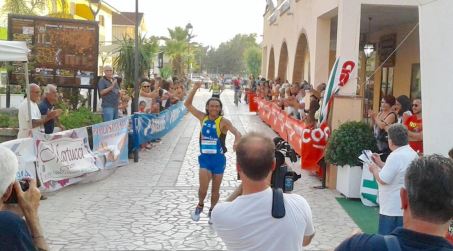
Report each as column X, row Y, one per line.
column 212, row 148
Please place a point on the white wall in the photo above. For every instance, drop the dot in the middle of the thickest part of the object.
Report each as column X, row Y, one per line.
column 436, row 63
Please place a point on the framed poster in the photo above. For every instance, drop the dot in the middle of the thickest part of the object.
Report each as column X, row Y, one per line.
column 63, row 52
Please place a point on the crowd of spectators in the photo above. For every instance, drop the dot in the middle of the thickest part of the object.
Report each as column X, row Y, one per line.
column 299, row 99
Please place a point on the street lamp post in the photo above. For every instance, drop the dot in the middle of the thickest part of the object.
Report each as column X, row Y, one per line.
column 136, row 73
column 189, row 29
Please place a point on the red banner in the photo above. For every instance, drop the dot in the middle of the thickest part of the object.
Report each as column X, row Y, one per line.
column 309, row 143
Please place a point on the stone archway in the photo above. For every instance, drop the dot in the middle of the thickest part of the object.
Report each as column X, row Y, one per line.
column 283, row 62
column 271, row 68
column 301, row 60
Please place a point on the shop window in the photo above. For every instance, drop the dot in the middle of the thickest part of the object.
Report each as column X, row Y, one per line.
column 386, row 82
column 370, row 66
column 416, row 86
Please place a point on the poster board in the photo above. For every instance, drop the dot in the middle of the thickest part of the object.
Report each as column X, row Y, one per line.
column 63, row 52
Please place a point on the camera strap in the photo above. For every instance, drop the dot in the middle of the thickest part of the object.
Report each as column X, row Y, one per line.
column 278, row 204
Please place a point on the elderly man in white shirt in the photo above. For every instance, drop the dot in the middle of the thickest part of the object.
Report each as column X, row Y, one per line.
column 390, row 177
column 36, row 120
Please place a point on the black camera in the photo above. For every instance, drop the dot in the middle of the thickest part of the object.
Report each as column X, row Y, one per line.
column 24, row 185
column 283, row 177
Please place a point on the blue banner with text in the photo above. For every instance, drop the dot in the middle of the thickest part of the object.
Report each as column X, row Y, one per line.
column 148, row 127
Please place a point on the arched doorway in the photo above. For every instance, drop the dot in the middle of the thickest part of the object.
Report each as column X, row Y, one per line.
column 283, row 62
column 271, row 68
column 301, row 70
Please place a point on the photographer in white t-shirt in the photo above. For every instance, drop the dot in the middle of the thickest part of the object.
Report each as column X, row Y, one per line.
column 247, row 223
column 390, row 177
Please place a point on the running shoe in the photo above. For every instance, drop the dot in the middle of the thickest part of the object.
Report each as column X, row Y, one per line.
column 209, row 216
column 196, row 213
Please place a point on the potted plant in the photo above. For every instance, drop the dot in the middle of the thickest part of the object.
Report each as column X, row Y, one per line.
column 343, row 149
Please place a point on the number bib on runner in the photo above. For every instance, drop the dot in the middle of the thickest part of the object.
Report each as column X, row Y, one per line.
column 209, row 146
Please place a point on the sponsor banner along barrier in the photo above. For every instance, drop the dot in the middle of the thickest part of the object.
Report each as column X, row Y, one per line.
column 149, row 127
column 110, row 143
column 26, row 156
column 63, row 156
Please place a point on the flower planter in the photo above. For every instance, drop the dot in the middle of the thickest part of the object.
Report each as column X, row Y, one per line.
column 7, row 134
column 348, row 180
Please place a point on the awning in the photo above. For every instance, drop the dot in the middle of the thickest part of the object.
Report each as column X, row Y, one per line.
column 13, row 51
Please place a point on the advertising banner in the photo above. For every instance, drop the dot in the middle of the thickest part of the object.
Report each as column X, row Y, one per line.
column 26, row 155
column 62, row 156
column 149, row 127
column 110, row 143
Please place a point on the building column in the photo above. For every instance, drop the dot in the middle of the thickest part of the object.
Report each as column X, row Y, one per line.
column 436, row 65
column 348, row 38
column 321, row 49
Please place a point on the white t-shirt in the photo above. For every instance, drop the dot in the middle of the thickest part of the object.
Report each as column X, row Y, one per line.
column 247, row 223
column 393, row 175
column 24, row 127
column 147, row 100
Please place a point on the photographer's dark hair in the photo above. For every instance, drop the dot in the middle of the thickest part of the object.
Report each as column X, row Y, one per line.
column 214, row 99
column 398, row 134
column 429, row 184
column 255, row 155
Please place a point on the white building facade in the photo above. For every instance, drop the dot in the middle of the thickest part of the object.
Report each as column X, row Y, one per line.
column 302, row 39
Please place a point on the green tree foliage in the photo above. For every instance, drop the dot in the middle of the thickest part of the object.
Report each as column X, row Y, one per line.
column 229, row 57
column 179, row 50
column 23, row 7
column 57, row 8
column 252, row 58
column 125, row 61
column 166, row 72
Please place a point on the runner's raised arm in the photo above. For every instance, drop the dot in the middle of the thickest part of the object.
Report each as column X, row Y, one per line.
column 188, row 103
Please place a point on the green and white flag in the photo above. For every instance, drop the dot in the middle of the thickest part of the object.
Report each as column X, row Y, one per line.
column 339, row 77
column 369, row 190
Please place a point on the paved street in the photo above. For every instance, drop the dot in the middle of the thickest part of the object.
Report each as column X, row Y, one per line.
column 147, row 205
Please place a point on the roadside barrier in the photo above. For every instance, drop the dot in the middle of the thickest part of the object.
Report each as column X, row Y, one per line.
column 67, row 157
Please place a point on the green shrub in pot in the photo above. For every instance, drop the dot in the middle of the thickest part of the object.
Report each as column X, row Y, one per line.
column 347, row 142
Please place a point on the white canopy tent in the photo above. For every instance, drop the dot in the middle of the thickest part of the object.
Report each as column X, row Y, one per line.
column 13, row 51
column 17, row 51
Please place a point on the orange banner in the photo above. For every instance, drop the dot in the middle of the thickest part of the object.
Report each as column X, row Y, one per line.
column 309, row 143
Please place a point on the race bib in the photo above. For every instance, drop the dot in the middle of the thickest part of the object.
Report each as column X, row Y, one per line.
column 209, row 146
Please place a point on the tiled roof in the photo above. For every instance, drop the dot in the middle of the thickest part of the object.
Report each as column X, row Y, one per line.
column 126, row 18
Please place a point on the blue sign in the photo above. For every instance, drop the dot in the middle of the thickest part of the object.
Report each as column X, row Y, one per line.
column 149, row 127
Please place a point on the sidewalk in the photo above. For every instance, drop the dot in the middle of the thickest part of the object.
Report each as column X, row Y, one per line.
column 147, row 205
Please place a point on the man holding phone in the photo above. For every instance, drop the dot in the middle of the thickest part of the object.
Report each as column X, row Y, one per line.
column 15, row 233
column 109, row 92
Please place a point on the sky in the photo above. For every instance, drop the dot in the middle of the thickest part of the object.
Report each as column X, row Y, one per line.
column 213, row 21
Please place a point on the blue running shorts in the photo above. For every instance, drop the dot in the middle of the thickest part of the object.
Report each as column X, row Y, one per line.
column 215, row 163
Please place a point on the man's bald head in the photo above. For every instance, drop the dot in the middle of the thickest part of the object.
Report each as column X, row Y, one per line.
column 255, row 155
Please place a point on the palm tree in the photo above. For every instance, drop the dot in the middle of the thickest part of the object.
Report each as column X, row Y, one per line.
column 177, row 49
column 124, row 62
